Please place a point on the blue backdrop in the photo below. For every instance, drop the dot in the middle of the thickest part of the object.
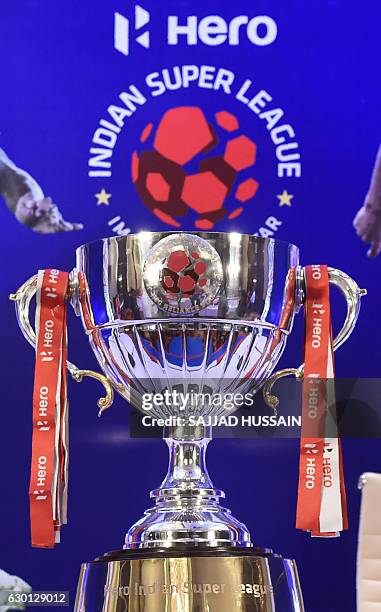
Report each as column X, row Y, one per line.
column 60, row 71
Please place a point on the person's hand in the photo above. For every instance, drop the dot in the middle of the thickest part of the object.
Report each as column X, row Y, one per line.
column 367, row 224
column 42, row 216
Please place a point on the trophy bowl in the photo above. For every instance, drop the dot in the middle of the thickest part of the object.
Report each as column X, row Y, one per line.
column 172, row 312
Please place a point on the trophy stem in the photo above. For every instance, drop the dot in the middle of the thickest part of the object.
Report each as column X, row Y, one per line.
column 187, row 460
column 187, row 511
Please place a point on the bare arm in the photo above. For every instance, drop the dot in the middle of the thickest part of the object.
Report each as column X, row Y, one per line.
column 25, row 198
column 368, row 219
column 15, row 182
column 374, row 193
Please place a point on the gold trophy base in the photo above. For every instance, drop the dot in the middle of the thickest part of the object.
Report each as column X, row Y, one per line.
column 202, row 580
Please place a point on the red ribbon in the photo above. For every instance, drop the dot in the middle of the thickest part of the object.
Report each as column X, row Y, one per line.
column 48, row 479
column 321, row 507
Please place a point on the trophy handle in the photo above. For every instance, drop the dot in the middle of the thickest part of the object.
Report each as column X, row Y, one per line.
column 352, row 294
column 22, row 298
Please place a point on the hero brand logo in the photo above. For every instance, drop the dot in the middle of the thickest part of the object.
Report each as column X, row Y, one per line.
column 122, row 30
column 211, row 30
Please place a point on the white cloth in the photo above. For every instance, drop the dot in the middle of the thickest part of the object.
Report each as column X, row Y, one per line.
column 369, row 546
column 11, row 583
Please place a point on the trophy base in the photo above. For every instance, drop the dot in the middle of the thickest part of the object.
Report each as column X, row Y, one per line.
column 189, row 580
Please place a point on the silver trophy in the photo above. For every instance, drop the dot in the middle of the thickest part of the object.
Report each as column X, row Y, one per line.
column 204, row 311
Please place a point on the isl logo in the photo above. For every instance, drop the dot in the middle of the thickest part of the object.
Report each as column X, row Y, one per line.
column 197, row 165
column 183, row 273
column 203, row 162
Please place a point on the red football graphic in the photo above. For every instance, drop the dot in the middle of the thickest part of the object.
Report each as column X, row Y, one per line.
column 189, row 166
column 181, row 273
column 178, row 261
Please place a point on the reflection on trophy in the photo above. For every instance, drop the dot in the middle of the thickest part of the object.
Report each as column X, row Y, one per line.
column 177, row 310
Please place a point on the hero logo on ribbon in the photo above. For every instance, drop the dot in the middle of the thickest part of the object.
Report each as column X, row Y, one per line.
column 211, row 30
